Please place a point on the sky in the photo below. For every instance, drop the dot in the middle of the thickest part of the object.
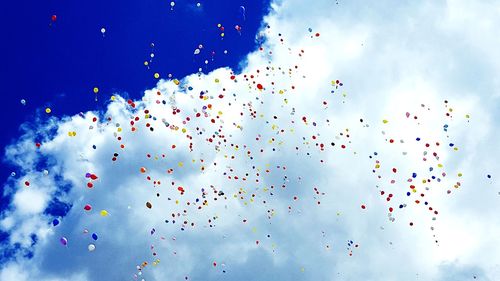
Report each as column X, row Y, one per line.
column 340, row 140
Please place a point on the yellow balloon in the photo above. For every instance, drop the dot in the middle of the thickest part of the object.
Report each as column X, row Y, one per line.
column 48, row 110
column 104, row 213
column 96, row 90
column 157, row 75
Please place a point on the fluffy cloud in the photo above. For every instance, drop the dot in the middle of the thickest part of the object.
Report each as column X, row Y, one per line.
column 277, row 205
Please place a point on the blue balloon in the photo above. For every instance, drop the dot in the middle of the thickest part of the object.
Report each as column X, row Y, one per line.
column 94, row 236
column 55, row 222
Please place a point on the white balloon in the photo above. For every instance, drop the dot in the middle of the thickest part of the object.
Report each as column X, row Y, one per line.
column 197, row 51
column 23, row 102
column 103, row 30
column 91, row 247
column 198, row 4
column 172, row 3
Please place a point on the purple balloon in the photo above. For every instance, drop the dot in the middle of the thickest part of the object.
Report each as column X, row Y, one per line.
column 64, row 241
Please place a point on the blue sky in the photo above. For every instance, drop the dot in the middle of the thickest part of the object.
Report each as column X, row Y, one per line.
column 349, row 141
column 66, row 60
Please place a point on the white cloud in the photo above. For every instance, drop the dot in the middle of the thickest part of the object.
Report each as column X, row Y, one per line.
column 392, row 58
column 30, row 201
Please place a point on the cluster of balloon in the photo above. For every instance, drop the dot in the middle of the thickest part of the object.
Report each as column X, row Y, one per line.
column 151, row 56
column 197, row 51
column 205, row 127
column 221, row 29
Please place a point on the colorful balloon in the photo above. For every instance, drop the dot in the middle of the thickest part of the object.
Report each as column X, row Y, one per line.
column 63, row 241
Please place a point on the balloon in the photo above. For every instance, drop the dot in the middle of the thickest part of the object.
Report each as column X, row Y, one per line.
column 91, row 247
column 104, row 213
column 96, row 90
column 243, row 12
column 94, row 236
column 55, row 222
column 64, row 241
column 149, row 205
column 143, row 170
column 48, row 110
column 157, row 75
column 197, row 51
column 198, row 4
column 53, row 18
column 23, row 102
column 87, row 207
column 103, row 30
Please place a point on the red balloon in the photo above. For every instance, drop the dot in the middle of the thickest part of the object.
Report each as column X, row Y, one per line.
column 54, row 17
